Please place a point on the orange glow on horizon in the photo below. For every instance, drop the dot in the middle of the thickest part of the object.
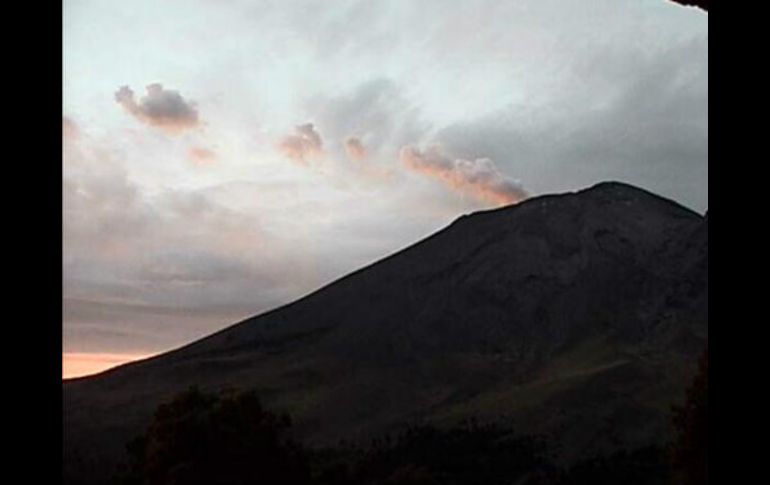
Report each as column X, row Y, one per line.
column 79, row 364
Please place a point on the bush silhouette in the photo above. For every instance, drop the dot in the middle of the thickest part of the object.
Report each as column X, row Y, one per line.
column 216, row 439
column 229, row 438
column 690, row 449
column 642, row 466
column 467, row 454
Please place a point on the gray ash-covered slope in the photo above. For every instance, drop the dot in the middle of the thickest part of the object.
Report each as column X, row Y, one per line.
column 578, row 315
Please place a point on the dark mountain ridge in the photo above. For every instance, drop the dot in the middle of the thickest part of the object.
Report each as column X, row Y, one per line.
column 579, row 316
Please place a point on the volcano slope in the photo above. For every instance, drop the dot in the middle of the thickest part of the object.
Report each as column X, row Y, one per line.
column 576, row 316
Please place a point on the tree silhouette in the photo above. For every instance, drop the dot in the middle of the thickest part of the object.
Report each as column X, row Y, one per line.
column 467, row 454
column 704, row 4
column 216, row 439
column 690, row 449
column 641, row 466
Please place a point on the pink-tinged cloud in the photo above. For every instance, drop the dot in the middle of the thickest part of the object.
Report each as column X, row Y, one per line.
column 69, row 129
column 355, row 148
column 76, row 364
column 202, row 156
column 302, row 146
column 479, row 178
column 161, row 108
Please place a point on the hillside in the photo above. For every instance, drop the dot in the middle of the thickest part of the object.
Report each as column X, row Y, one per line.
column 577, row 315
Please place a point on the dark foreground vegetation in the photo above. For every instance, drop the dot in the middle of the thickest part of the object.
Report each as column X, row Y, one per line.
column 229, row 438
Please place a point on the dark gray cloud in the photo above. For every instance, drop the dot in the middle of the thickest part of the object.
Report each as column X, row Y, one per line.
column 639, row 118
column 162, row 108
column 113, row 326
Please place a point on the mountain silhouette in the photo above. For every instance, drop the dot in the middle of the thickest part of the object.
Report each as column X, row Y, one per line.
column 577, row 316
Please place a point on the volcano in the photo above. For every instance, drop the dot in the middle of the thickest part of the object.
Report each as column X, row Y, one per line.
column 577, row 316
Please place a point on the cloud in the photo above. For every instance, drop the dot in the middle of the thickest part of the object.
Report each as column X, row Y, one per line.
column 304, row 145
column 355, row 149
column 149, row 268
column 179, row 244
column 376, row 110
column 70, row 130
column 478, row 177
column 530, row 84
column 161, row 108
column 174, row 249
column 202, row 156
column 645, row 122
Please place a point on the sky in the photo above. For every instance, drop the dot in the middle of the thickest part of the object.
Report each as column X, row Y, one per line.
column 222, row 158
